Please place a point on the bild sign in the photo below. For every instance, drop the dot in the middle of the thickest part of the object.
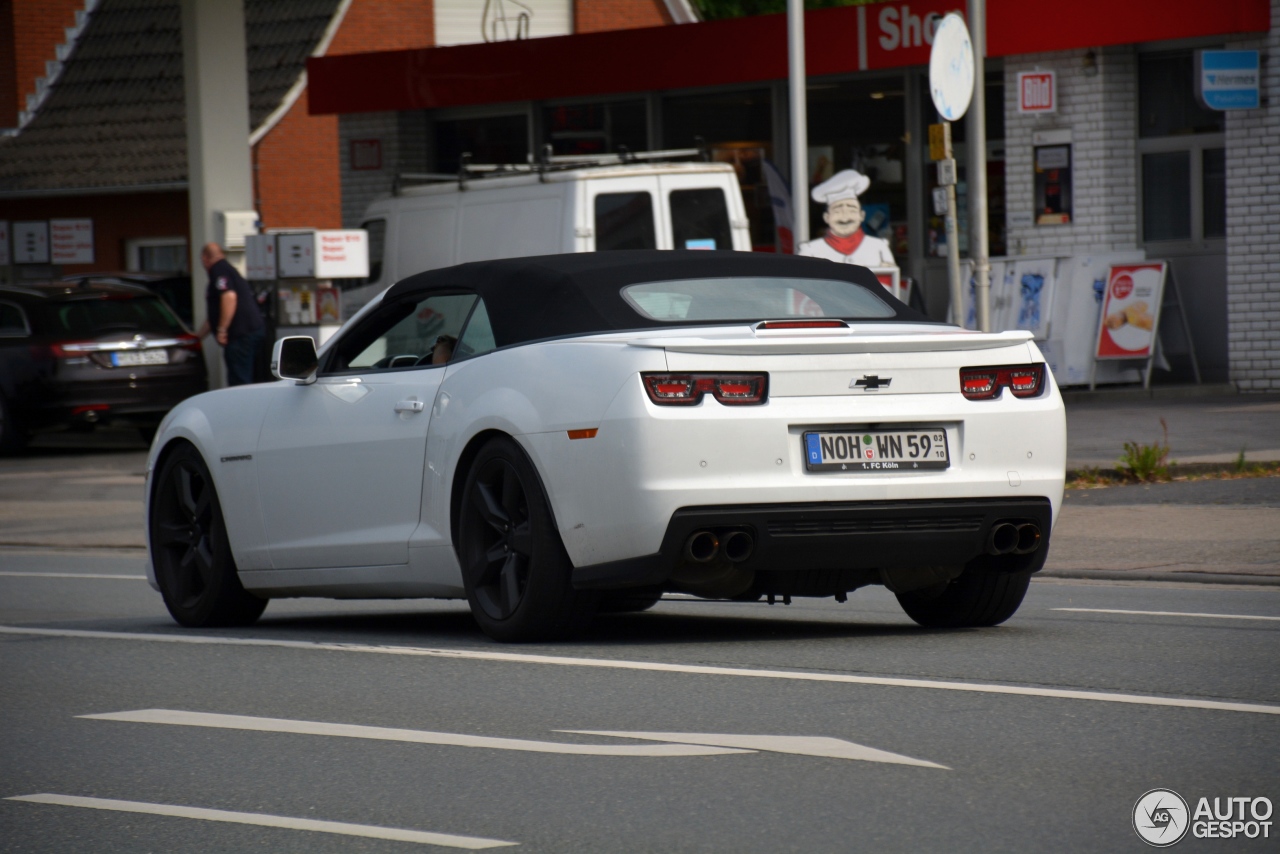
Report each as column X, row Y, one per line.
column 1037, row 92
column 1228, row 79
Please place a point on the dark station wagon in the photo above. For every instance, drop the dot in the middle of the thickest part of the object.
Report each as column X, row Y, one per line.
column 89, row 353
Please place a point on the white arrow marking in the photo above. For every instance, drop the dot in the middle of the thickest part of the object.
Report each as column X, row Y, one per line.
column 801, row 745
column 243, row 722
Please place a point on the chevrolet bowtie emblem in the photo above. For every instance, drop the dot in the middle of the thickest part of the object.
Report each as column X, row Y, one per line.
column 871, row 383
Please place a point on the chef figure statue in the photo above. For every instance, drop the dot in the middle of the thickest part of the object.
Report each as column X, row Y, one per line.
column 845, row 241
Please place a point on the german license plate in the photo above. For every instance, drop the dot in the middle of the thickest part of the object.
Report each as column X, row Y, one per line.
column 130, row 358
column 855, row 450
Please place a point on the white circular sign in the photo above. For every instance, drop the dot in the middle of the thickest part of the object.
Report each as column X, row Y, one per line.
column 951, row 67
column 1161, row 818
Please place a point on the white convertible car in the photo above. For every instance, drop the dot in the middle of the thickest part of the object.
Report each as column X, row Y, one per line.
column 555, row 436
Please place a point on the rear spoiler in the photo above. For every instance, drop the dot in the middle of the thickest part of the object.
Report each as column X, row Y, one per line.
column 820, row 341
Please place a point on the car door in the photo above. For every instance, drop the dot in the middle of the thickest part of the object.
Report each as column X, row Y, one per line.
column 340, row 461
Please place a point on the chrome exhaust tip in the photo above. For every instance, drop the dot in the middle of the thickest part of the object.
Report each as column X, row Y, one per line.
column 1028, row 539
column 1002, row 539
column 737, row 546
column 701, row 547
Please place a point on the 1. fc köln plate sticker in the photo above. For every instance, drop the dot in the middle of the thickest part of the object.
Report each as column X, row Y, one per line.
column 1130, row 310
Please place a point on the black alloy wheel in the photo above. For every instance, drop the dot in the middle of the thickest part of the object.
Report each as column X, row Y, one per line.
column 979, row 597
column 517, row 574
column 193, row 562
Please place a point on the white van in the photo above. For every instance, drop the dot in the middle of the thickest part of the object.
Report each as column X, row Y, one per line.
column 619, row 206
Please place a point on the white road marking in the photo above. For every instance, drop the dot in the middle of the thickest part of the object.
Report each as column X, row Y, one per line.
column 73, row 575
column 244, row 722
column 660, row 667
column 800, row 745
column 1166, row 614
column 473, row 843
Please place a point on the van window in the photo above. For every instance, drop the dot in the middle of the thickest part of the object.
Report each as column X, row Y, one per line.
column 477, row 338
column 700, row 219
column 377, row 229
column 625, row 221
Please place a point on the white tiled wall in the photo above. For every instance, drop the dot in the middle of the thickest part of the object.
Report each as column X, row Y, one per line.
column 1253, row 226
column 1100, row 110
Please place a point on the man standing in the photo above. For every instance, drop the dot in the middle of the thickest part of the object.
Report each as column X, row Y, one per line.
column 845, row 241
column 230, row 304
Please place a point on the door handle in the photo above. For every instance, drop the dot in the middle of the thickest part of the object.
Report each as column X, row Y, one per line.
column 410, row 406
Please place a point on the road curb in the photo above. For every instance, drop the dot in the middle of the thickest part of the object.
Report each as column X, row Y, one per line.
column 1175, row 470
column 1156, row 575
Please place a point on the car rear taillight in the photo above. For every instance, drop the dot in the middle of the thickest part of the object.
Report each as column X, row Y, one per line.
column 188, row 342
column 688, row 389
column 70, row 349
column 987, row 383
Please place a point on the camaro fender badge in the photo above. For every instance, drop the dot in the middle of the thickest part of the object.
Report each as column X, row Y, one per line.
column 871, row 383
column 237, row 458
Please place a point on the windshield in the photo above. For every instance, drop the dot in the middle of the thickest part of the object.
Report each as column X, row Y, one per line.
column 754, row 298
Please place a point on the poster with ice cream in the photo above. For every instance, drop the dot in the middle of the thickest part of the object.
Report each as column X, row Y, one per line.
column 1130, row 311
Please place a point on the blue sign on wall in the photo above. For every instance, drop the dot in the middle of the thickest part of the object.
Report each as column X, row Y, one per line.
column 1228, row 79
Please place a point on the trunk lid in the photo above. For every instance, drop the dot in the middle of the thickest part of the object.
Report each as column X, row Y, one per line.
column 862, row 359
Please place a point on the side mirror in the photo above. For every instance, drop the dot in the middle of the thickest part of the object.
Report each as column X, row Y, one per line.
column 294, row 358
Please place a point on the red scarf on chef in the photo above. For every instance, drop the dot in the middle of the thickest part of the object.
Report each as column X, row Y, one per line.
column 845, row 245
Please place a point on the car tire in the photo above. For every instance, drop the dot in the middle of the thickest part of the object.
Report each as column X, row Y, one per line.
column 978, row 597
column 13, row 438
column 517, row 574
column 193, row 562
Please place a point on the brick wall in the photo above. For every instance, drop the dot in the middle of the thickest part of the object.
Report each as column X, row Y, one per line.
column 302, row 163
column 296, row 178
column 385, row 25
column 590, row 16
column 30, row 31
column 116, row 219
column 1253, row 226
column 1100, row 110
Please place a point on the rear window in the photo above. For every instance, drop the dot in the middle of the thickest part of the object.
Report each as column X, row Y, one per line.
column 88, row 317
column 700, row 219
column 625, row 221
column 754, row 298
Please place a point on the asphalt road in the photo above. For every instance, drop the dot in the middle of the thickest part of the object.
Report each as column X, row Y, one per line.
column 1048, row 729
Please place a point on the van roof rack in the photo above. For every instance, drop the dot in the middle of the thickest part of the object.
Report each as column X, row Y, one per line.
column 546, row 162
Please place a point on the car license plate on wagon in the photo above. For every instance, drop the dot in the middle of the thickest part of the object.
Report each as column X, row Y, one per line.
column 131, row 358
column 861, row 450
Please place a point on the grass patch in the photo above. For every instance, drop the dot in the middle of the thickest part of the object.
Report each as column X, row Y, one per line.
column 1146, row 463
column 1096, row 478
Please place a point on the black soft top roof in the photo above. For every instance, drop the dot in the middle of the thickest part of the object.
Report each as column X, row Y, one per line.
column 552, row 296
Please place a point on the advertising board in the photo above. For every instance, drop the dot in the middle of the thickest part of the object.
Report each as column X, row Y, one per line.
column 1131, row 311
column 71, row 241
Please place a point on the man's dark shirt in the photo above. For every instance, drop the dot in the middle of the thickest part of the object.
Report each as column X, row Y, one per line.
column 248, row 319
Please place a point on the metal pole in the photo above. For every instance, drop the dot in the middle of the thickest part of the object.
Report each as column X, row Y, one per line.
column 799, row 121
column 948, row 165
column 978, row 238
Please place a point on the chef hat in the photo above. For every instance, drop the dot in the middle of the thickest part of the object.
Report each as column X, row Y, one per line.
column 848, row 184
